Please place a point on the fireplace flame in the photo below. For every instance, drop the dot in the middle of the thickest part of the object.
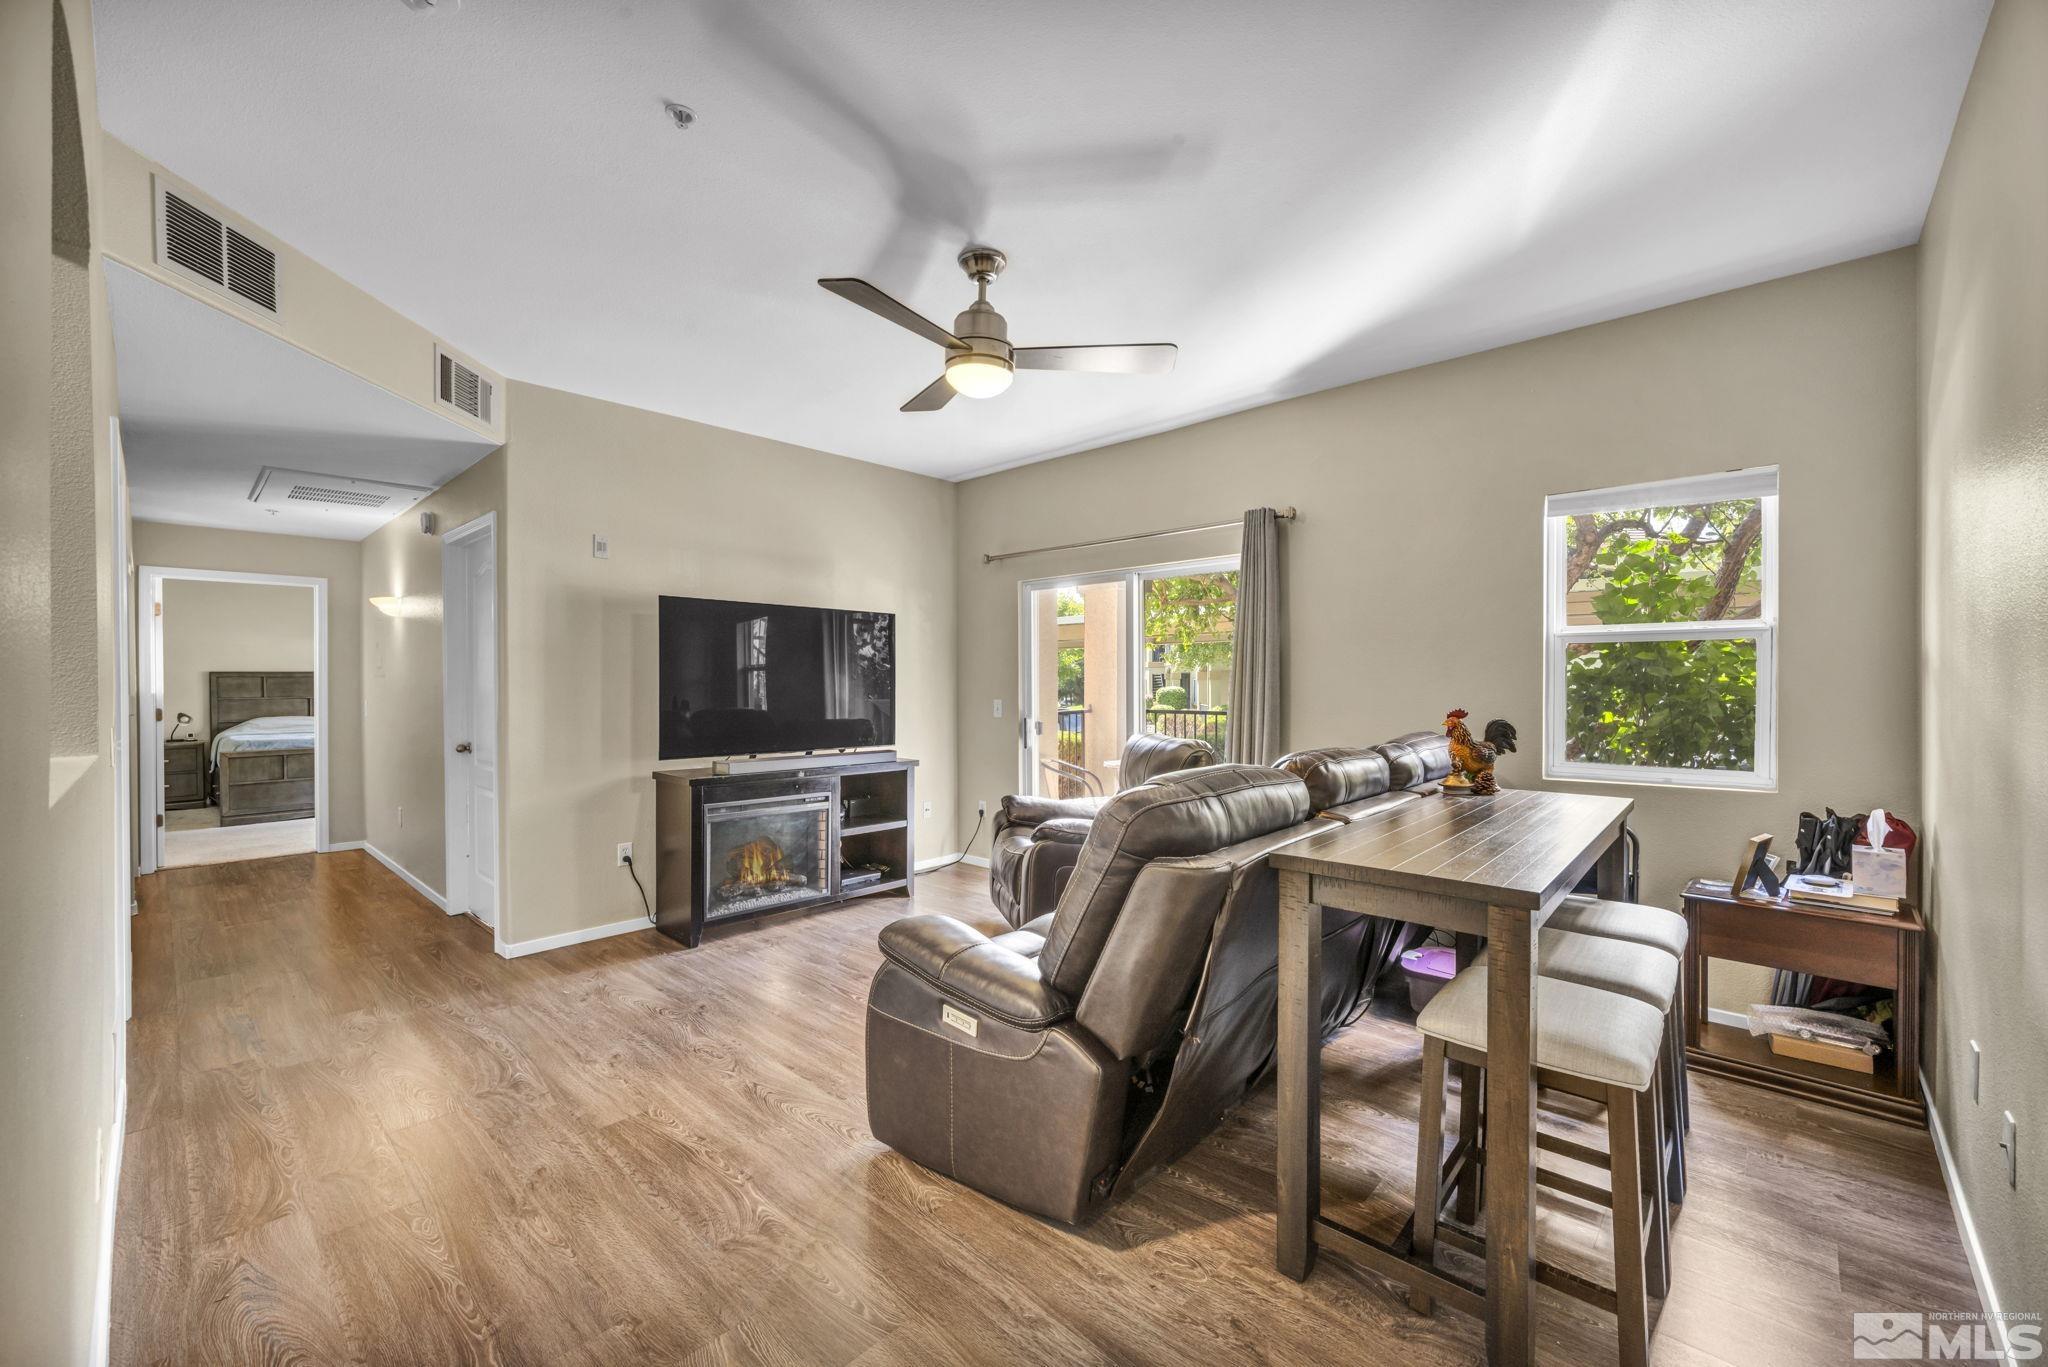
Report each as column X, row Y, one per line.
column 758, row 865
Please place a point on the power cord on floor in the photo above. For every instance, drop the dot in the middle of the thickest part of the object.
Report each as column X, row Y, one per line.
column 973, row 835
column 628, row 861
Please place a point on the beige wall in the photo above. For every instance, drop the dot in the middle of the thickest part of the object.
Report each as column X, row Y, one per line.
column 1984, row 656
column 1413, row 576
column 695, row 510
column 62, row 898
column 403, row 796
column 340, row 563
column 211, row 625
column 317, row 309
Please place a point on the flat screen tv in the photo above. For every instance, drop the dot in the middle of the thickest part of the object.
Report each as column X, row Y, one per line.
column 768, row 678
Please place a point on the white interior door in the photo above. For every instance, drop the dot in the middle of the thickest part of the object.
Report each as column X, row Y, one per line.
column 124, row 723
column 470, row 654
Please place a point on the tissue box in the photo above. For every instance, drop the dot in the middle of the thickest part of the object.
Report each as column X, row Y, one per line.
column 1878, row 872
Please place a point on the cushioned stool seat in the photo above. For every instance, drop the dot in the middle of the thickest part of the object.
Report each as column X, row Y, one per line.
column 1633, row 970
column 1580, row 1031
column 1629, row 921
column 1599, row 1045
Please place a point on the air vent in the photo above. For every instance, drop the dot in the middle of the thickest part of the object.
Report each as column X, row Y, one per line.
column 466, row 388
column 304, row 491
column 197, row 243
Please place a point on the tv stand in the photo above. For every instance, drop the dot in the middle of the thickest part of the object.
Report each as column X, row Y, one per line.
column 736, row 846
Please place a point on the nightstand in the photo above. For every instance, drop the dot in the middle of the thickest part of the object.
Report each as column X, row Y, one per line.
column 184, row 774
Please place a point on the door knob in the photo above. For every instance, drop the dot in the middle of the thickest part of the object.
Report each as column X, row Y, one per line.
column 462, row 748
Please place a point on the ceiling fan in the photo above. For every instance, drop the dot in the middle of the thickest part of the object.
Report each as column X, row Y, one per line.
column 980, row 362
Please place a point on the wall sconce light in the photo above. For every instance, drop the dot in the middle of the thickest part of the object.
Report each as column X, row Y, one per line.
column 395, row 605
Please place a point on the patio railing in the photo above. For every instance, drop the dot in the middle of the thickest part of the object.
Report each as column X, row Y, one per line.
column 1191, row 723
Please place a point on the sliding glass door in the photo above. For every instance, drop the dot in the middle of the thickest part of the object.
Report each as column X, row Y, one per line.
column 1106, row 655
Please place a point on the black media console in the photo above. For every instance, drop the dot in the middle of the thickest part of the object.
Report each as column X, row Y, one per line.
column 734, row 846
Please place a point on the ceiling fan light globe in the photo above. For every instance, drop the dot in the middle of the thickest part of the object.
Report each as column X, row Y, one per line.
column 975, row 376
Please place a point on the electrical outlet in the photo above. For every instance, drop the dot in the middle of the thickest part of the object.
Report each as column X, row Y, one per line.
column 981, row 807
column 999, row 709
column 600, row 546
column 2011, row 1145
column 1976, row 1072
column 625, row 852
column 927, row 808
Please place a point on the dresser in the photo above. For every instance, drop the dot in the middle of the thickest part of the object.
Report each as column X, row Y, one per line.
column 184, row 774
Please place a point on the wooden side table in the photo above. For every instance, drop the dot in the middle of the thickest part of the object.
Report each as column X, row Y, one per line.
column 184, row 774
column 1854, row 946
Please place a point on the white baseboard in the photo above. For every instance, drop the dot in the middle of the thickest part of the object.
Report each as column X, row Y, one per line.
column 110, row 1200
column 1721, row 1016
column 573, row 937
column 927, row 865
column 336, row 847
column 392, row 864
column 1973, row 1250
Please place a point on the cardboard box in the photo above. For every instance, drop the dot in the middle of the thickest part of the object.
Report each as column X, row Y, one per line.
column 1822, row 1051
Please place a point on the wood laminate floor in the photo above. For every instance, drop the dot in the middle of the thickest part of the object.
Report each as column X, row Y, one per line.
column 356, row 1136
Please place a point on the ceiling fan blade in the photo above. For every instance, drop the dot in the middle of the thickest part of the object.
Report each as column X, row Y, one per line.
column 902, row 315
column 1143, row 358
column 931, row 398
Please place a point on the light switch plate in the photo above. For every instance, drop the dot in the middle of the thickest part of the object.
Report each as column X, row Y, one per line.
column 600, row 546
column 1976, row 1072
column 999, row 709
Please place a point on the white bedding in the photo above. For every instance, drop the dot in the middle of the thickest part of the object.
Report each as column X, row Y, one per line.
column 264, row 733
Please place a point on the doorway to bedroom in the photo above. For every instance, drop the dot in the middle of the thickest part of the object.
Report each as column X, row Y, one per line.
column 231, row 678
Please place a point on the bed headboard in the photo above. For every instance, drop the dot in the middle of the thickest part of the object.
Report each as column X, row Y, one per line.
column 234, row 697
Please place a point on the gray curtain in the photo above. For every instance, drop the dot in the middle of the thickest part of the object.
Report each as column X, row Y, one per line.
column 1255, row 653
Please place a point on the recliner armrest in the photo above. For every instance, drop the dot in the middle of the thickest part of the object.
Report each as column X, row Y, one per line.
column 1022, row 809
column 968, row 967
column 1065, row 830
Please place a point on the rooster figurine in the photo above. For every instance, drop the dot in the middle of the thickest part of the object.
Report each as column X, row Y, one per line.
column 1472, row 760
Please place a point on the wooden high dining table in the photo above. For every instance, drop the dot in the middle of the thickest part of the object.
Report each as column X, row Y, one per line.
column 1492, row 866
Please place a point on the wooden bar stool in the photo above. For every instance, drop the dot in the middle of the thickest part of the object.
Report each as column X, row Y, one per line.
column 1650, row 976
column 1642, row 925
column 1603, row 1047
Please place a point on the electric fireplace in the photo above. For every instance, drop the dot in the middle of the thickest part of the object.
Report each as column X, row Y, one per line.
column 766, row 853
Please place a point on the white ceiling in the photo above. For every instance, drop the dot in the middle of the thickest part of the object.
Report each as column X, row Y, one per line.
column 207, row 401
column 1299, row 194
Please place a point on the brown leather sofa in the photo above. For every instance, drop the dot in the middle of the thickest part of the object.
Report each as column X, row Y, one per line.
column 1037, row 839
column 1056, row 1066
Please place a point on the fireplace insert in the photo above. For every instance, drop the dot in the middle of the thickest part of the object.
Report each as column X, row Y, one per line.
column 764, row 853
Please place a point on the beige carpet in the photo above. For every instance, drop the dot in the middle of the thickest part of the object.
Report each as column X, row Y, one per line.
column 195, row 836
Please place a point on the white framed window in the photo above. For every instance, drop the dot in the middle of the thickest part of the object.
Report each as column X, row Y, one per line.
column 1660, row 617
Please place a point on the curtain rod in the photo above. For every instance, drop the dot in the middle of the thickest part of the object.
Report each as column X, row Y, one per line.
column 1285, row 515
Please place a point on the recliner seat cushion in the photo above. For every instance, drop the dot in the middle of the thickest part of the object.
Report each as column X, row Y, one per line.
column 1146, row 757
column 1189, row 813
column 1339, row 774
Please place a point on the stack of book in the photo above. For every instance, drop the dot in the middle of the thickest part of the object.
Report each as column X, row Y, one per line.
column 1818, row 890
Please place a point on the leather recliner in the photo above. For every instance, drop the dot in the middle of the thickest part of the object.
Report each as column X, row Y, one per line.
column 1056, row 1066
column 1038, row 839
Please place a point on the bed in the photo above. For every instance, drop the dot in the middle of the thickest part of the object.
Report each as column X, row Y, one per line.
column 262, row 747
